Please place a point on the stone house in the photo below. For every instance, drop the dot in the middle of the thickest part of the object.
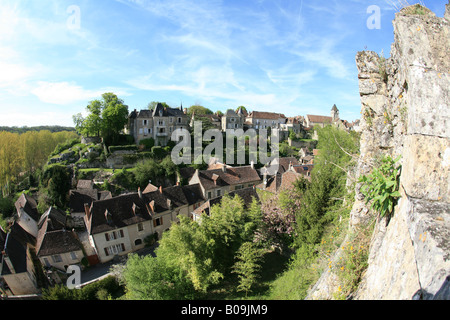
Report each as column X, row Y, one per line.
column 217, row 182
column 264, row 120
column 17, row 272
column 56, row 245
column 233, row 120
column 120, row 225
column 27, row 213
column 157, row 124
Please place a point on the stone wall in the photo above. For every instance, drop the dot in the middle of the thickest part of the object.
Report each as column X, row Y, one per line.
column 405, row 111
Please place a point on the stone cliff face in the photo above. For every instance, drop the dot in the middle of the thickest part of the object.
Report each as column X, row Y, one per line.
column 405, row 111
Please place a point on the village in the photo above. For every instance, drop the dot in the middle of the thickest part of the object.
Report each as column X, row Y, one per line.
column 100, row 227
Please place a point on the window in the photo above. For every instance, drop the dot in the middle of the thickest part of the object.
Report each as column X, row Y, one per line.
column 218, row 193
column 160, row 122
column 114, row 249
column 144, row 122
column 47, row 263
column 141, row 131
column 209, row 195
column 56, row 258
column 179, row 120
column 158, row 222
column 137, row 242
column 170, row 119
column 140, row 227
column 73, row 255
column 114, row 235
column 145, row 131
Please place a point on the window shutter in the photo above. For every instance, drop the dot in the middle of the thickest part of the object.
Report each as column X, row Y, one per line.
column 106, row 252
column 107, row 237
column 161, row 220
column 154, row 223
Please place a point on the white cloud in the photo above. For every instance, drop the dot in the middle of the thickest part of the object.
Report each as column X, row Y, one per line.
column 63, row 93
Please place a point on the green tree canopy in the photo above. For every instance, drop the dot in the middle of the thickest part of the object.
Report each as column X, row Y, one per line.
column 198, row 109
column 106, row 118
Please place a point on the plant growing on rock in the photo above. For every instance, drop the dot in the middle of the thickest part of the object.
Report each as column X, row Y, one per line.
column 382, row 186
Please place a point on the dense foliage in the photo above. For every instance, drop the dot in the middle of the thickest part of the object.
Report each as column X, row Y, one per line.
column 106, row 118
column 22, row 154
column 381, row 186
column 192, row 257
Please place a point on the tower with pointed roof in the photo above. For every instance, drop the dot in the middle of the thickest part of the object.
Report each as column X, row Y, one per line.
column 335, row 113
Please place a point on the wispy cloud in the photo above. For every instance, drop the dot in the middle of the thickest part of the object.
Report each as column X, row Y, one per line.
column 63, row 93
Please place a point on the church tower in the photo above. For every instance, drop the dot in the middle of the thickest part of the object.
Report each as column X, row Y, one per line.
column 334, row 113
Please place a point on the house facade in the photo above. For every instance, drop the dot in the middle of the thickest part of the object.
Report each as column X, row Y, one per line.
column 17, row 272
column 218, row 182
column 157, row 124
column 265, row 120
column 233, row 120
column 57, row 245
column 120, row 225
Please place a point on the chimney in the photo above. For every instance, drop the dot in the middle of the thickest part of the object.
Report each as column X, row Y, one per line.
column 178, row 183
column 215, row 177
column 87, row 210
column 169, row 204
column 152, row 206
column 75, row 235
column 252, row 164
column 140, row 192
column 160, row 189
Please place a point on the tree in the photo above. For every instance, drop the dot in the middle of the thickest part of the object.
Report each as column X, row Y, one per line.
column 247, row 265
column 152, row 278
column 56, row 181
column 244, row 109
column 193, row 256
column 106, row 118
column 152, row 105
column 198, row 109
column 114, row 117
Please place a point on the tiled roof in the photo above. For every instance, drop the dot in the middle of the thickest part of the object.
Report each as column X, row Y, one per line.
column 132, row 208
column 280, row 181
column 231, row 176
column 85, row 184
column 319, row 119
column 53, row 238
column 266, row 115
column 29, row 205
column 77, row 198
column 17, row 253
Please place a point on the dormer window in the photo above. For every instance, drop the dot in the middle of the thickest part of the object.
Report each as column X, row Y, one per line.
column 108, row 217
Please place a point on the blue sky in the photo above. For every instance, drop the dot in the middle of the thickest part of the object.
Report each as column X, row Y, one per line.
column 295, row 57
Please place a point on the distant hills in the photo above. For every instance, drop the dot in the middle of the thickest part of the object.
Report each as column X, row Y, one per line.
column 24, row 129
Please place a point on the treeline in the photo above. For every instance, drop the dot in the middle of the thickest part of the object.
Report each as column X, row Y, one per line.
column 24, row 129
column 22, row 154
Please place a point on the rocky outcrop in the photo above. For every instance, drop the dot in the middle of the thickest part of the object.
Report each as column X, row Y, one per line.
column 405, row 112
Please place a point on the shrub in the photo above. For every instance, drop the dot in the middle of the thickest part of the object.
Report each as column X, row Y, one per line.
column 148, row 143
column 382, row 185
